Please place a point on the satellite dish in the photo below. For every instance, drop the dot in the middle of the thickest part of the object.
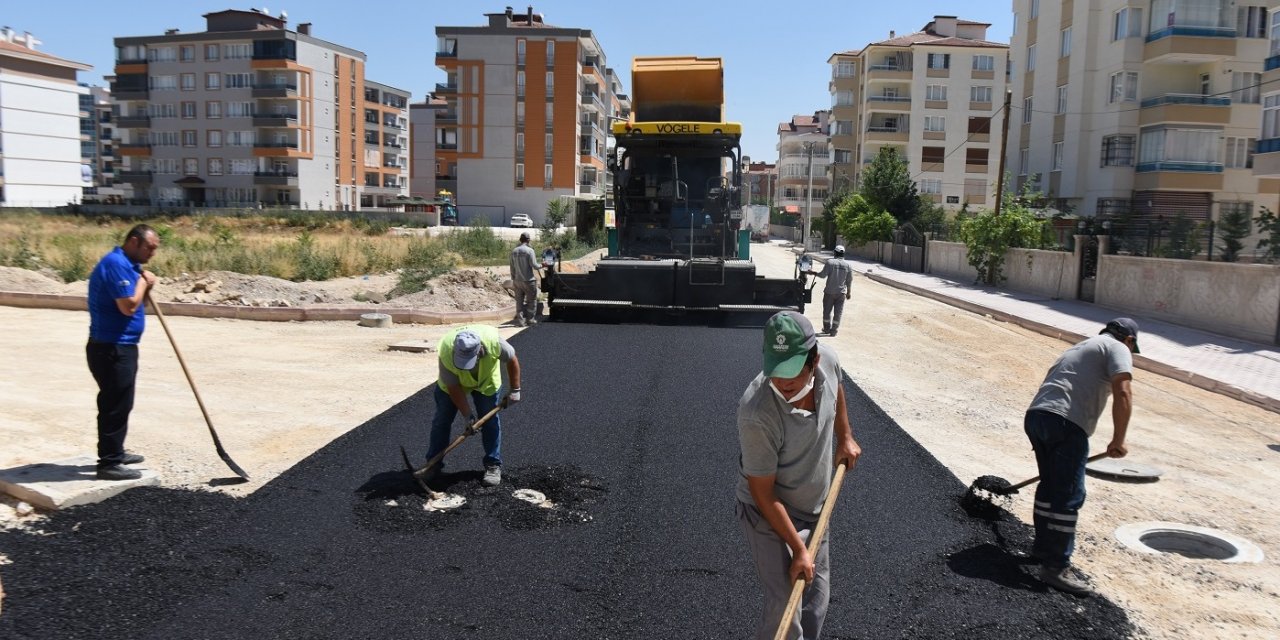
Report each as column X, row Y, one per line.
column 284, row 15
column 266, row 11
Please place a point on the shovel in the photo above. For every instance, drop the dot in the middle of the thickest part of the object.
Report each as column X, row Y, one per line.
column 419, row 474
column 977, row 495
column 217, row 443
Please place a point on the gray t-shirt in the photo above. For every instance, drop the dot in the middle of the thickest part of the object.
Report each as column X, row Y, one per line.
column 449, row 378
column 523, row 264
column 1079, row 383
column 839, row 276
column 798, row 449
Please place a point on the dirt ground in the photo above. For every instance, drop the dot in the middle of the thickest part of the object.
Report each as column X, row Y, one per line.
column 957, row 382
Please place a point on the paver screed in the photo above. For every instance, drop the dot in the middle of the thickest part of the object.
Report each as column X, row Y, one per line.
column 630, row 430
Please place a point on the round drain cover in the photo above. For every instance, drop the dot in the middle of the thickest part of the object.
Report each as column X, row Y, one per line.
column 1189, row 541
column 1121, row 468
column 444, row 502
column 533, row 497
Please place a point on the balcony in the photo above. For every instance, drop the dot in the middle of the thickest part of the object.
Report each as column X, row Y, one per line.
column 1190, row 44
column 1266, row 162
column 134, row 177
column 592, row 101
column 392, row 144
column 1271, row 63
column 1183, row 107
column 888, row 103
column 447, row 54
column 446, row 88
column 392, row 124
column 277, row 149
column 124, row 94
column 275, row 90
column 888, row 72
column 134, row 122
column 135, row 148
column 276, row 178
column 275, row 120
column 447, row 146
column 1178, row 175
column 887, row 134
column 446, row 117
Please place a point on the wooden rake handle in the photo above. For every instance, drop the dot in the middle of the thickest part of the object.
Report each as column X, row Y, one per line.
column 815, row 542
column 466, row 433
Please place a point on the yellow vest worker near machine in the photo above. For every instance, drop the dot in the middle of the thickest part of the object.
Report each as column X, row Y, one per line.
column 470, row 364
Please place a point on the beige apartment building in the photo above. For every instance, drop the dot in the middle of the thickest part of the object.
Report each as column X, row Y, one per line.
column 804, row 153
column 1266, row 165
column 250, row 113
column 1143, row 108
column 933, row 95
column 528, row 113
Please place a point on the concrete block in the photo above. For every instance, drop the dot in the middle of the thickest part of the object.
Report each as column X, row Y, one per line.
column 413, row 346
column 66, row 483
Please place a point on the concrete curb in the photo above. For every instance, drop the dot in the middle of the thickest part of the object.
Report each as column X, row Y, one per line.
column 269, row 314
column 1142, row 362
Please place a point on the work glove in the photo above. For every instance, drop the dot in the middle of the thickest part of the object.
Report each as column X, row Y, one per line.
column 511, row 398
column 471, row 424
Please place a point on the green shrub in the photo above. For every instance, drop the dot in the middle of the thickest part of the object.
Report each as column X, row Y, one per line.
column 312, row 263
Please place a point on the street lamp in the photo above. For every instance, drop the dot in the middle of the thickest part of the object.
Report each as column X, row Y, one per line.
column 808, row 207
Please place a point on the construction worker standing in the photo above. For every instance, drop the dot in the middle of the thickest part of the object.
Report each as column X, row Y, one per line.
column 524, row 269
column 470, row 359
column 839, row 275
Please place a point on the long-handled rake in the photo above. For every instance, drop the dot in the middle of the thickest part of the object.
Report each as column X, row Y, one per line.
column 419, row 474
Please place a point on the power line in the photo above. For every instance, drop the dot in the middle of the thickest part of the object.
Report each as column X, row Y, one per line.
column 1139, row 108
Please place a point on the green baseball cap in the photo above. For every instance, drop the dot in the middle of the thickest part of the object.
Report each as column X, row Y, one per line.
column 788, row 337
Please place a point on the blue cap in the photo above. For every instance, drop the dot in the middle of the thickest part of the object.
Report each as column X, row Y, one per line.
column 466, row 350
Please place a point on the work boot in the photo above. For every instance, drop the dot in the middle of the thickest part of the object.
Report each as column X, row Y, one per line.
column 518, row 321
column 492, row 476
column 532, row 321
column 1062, row 580
column 132, row 458
column 826, row 328
column 118, row 472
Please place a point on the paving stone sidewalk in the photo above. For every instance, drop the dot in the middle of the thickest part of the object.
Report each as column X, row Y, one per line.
column 1248, row 371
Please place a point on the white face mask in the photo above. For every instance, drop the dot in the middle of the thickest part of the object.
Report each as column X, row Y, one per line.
column 800, row 394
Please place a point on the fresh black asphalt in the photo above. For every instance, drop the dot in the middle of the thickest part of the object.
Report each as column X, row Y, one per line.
column 631, row 429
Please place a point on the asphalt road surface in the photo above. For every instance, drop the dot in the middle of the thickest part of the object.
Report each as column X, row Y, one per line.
column 630, row 430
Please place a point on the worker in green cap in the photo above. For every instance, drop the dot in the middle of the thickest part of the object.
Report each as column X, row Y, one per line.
column 793, row 430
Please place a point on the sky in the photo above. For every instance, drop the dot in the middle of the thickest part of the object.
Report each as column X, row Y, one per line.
column 775, row 52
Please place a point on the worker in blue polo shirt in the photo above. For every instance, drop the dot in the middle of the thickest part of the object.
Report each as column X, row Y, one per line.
column 118, row 288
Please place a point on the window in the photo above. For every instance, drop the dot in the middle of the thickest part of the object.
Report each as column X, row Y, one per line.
column 162, row 83
column 237, row 80
column 187, row 53
column 547, row 142
column 977, row 157
column 1271, row 117
column 551, row 116
column 188, row 110
column 1057, row 156
column 551, row 52
column 979, row 125
column 239, row 109
column 520, row 47
column 242, row 167
column 936, row 92
column 190, row 166
column 520, row 143
column 188, row 82
column 980, row 94
column 1182, row 145
column 1124, row 86
column 935, row 123
column 237, row 51
column 214, row 167
column 520, row 84
column 984, row 63
column 1240, row 153
column 167, row 166
column 1117, row 151
column 551, row 83
column 240, row 138
column 1026, row 110
column 931, row 186
column 213, row 109
column 1064, row 49
column 1275, row 34
column 213, row 81
column 932, row 155
column 844, row 98
column 1062, row 100
column 163, row 139
column 520, row 114
column 844, row 127
column 846, row 69
column 211, row 51
column 1251, row 22
column 843, row 156
column 1031, row 58
column 1245, row 87
column 161, row 110
column 975, row 188
column 1035, row 9
column 1127, row 23
column 1024, row 161
column 939, row 61
column 519, row 176
column 162, row 54
column 213, row 138
column 546, row 175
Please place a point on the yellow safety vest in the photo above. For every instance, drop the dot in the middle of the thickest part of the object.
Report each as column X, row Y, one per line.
column 487, row 376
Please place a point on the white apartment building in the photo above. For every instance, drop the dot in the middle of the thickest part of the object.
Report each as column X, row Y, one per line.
column 528, row 115
column 1266, row 164
column 934, row 96
column 1141, row 108
column 804, row 153
column 40, row 156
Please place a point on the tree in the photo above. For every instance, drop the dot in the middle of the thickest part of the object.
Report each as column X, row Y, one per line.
column 988, row 237
column 1269, row 227
column 1234, row 228
column 1184, row 239
column 860, row 223
column 827, row 222
column 557, row 212
column 887, row 186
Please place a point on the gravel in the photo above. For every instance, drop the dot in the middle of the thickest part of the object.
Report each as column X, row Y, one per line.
column 630, row 431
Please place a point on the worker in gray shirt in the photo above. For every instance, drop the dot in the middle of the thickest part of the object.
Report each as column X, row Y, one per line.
column 524, row 279
column 1059, row 422
column 793, row 430
column 839, row 275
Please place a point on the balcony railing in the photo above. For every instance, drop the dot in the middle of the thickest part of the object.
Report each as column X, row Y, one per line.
column 875, row 129
column 447, row 145
column 1187, row 98
column 447, row 117
column 275, row 119
column 133, row 177
column 1179, row 165
column 446, row 54
column 888, row 98
column 1272, row 63
column 275, row 145
column 276, row 173
column 1269, row 145
column 1197, row 31
column 275, row 90
column 446, row 88
column 134, row 122
column 135, row 145
column 885, row 67
column 391, row 124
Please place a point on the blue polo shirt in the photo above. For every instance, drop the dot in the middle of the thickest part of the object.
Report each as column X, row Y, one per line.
column 116, row 276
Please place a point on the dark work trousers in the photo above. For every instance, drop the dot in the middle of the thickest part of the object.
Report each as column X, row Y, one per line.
column 1062, row 449
column 115, row 369
column 832, row 309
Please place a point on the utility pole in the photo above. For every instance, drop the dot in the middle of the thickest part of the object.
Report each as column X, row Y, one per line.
column 808, row 205
column 1004, row 145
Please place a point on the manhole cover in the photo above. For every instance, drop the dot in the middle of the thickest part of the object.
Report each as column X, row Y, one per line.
column 444, row 502
column 1200, row 543
column 1121, row 468
column 534, row 497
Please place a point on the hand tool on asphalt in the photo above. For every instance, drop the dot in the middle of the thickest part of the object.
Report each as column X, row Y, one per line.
column 217, row 443
column 418, row 474
column 815, row 541
column 978, row 497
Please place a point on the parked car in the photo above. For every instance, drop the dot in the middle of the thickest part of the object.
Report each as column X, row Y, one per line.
column 521, row 220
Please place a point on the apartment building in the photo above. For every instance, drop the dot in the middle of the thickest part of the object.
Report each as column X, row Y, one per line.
column 427, row 174
column 803, row 156
column 759, row 183
column 1266, row 166
column 933, row 95
column 527, row 117
column 250, row 113
column 40, row 155
column 1143, row 109
column 97, row 149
